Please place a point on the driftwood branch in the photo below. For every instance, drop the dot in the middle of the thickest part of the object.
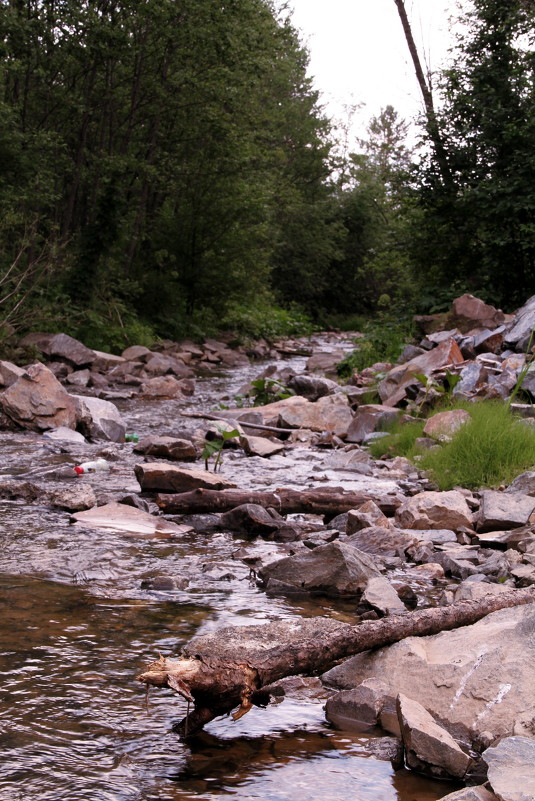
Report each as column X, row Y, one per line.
column 243, row 423
column 229, row 668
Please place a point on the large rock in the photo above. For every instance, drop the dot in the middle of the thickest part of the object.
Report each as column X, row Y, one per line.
column 164, row 386
column 519, row 334
column 383, row 541
column 252, row 519
column 473, row 377
column 159, row 365
column 160, row 477
column 358, row 709
column 38, row 401
column 444, row 425
column 382, row 597
column 474, row 679
column 127, row 519
column 64, row 347
column 105, row 361
column 443, row 510
column 178, row 450
column 312, row 387
column 324, row 362
column 429, row 748
column 392, row 387
column 260, row 446
column 336, row 569
column 99, row 419
column 511, row 766
column 469, row 312
column 371, row 417
column 502, row 510
column 330, row 413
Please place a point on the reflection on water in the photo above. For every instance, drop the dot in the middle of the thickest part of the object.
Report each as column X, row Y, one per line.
column 77, row 626
column 73, row 723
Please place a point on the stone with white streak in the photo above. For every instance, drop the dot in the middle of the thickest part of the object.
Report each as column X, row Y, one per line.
column 474, row 679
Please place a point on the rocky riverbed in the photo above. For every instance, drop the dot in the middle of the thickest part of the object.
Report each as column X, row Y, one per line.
column 98, row 578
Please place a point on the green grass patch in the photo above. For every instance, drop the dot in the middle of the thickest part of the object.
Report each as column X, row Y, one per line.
column 401, row 441
column 488, row 451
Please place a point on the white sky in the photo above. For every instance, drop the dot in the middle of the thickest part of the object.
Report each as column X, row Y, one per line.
column 358, row 52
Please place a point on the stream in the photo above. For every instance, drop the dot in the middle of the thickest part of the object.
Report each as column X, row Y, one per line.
column 78, row 625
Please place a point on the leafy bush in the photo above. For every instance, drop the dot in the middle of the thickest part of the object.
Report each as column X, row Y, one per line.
column 493, row 448
column 383, row 341
column 264, row 319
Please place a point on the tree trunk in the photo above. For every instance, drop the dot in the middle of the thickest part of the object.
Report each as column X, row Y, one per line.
column 330, row 501
column 432, row 122
column 234, row 666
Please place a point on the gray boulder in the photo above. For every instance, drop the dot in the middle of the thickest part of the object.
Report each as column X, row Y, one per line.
column 429, row 748
column 503, row 510
column 519, row 334
column 312, row 387
column 511, row 766
column 99, row 419
column 336, row 569
column 358, row 709
column 64, row 347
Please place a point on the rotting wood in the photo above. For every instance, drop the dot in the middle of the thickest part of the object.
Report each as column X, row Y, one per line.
column 329, row 501
column 233, row 667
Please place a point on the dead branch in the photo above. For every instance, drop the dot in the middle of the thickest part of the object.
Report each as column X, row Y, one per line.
column 229, row 668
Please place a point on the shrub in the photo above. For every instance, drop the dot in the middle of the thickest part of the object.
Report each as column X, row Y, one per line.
column 265, row 319
column 383, row 341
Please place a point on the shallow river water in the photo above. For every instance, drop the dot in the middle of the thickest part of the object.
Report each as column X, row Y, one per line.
column 77, row 626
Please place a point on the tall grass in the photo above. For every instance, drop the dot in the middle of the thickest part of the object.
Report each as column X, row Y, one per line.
column 493, row 448
column 401, row 441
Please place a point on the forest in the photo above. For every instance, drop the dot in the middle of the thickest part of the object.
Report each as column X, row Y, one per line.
column 167, row 170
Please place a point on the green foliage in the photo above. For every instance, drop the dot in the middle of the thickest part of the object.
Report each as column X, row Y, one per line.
column 214, row 447
column 477, row 230
column 383, row 341
column 175, row 150
column 268, row 390
column 401, row 441
column 263, row 319
column 493, row 448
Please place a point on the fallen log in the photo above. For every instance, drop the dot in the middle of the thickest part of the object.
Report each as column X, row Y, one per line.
column 330, row 501
column 235, row 666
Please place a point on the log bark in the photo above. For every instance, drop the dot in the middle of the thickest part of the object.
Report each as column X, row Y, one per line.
column 233, row 667
column 329, row 501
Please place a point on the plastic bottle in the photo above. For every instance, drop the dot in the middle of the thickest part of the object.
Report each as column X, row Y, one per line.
column 92, row 467
column 131, row 437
